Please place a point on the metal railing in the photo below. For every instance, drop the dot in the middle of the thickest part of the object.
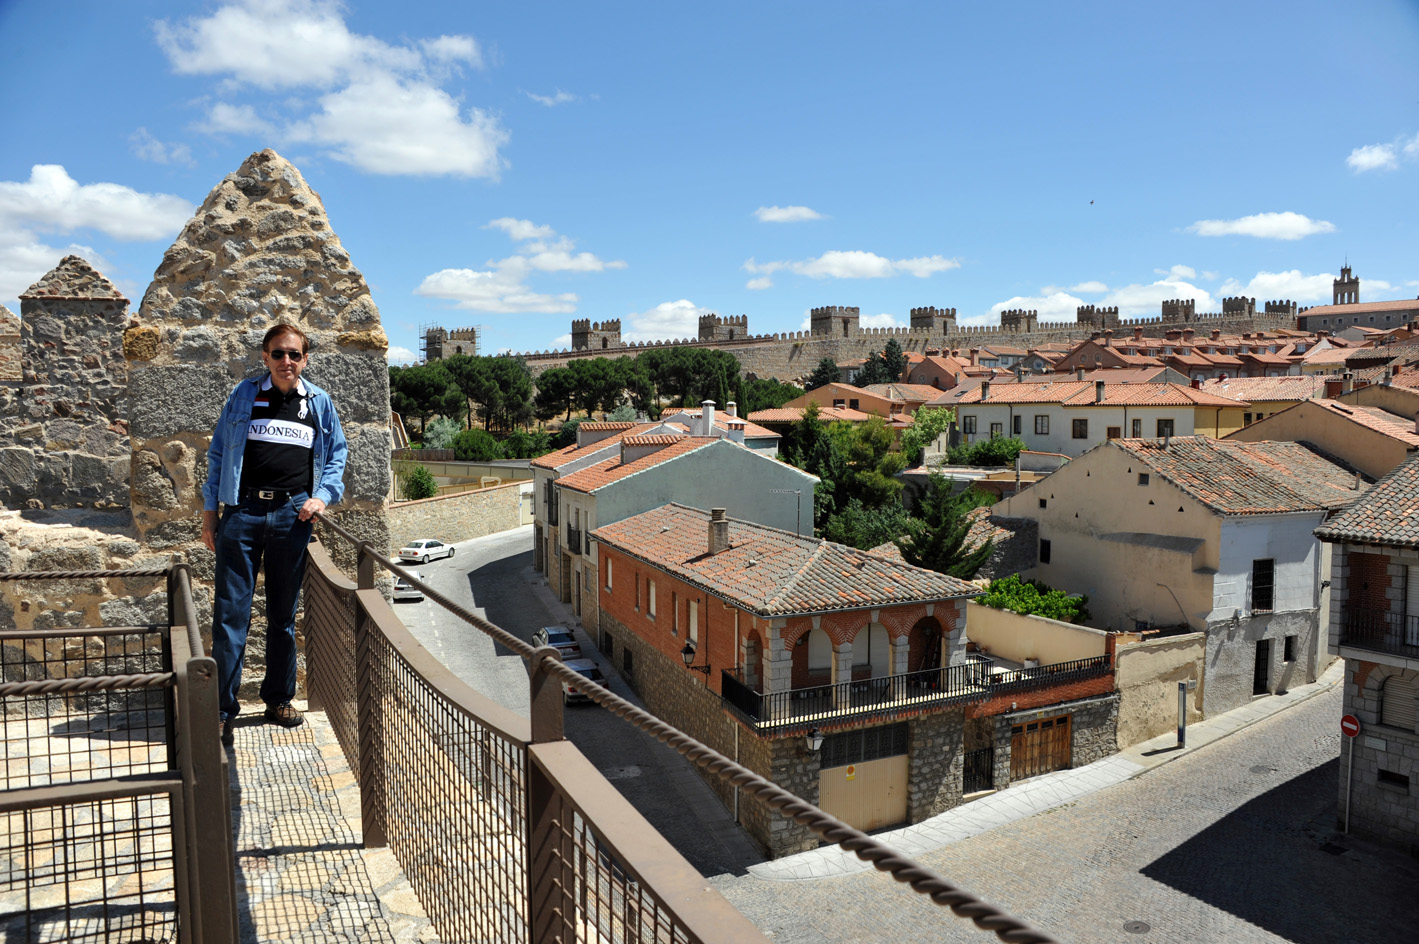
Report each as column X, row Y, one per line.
column 574, row 539
column 978, row 770
column 1381, row 631
column 114, row 793
column 504, row 830
column 891, row 695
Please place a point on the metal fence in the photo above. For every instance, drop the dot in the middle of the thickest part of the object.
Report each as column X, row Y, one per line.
column 111, row 756
column 505, row 831
column 1381, row 630
column 891, row 695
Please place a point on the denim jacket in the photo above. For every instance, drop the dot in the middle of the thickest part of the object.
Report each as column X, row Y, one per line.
column 228, row 447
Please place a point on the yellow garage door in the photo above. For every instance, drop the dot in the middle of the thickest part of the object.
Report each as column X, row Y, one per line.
column 863, row 778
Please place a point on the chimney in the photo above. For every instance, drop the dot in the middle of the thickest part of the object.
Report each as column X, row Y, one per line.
column 1187, row 334
column 731, row 408
column 1216, row 334
column 1197, row 383
column 706, row 417
column 1138, row 334
column 1079, row 373
column 984, row 390
column 718, row 531
column 1098, row 391
column 1389, row 375
column 1347, row 382
column 1109, row 337
column 975, row 357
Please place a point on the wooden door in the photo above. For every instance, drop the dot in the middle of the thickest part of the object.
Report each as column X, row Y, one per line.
column 1038, row 747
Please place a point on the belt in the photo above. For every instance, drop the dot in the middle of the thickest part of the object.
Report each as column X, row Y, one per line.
column 268, row 494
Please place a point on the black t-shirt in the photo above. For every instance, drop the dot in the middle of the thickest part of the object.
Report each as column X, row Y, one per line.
column 280, row 440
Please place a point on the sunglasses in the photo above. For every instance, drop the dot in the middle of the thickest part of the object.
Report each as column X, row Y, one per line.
column 281, row 354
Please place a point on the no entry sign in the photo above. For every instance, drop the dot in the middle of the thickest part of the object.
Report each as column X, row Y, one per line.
column 1349, row 725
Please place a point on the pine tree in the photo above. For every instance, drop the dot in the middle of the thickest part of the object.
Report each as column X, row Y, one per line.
column 825, row 373
column 938, row 541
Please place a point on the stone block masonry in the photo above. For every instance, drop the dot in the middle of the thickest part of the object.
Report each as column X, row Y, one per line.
column 461, row 517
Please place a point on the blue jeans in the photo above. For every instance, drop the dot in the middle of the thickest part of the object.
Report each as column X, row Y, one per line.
column 247, row 533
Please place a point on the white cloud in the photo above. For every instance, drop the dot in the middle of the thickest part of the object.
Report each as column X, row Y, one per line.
column 787, row 214
column 1293, row 285
column 759, row 284
column 854, row 264
column 1090, row 287
column 668, row 321
column 1052, row 307
column 521, row 229
column 148, row 148
column 561, row 342
column 502, row 286
column 884, row 320
column 552, row 101
column 1178, row 272
column 1373, row 157
column 1286, row 225
column 52, row 201
column 223, row 118
column 399, row 355
column 24, row 259
column 1136, row 301
column 379, row 106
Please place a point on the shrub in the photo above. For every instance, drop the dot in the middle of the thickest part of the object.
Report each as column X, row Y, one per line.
column 476, row 445
column 419, row 482
column 1033, row 598
column 566, row 436
column 440, row 433
column 622, row 414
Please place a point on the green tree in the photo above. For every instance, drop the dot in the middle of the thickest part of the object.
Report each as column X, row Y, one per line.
column 555, row 389
column 476, row 445
column 520, row 444
column 873, row 371
column 894, row 359
column 825, row 373
column 927, row 425
column 424, row 391
column 1033, row 598
column 418, row 483
column 865, row 526
column 622, row 414
column 937, row 541
column 566, row 436
column 759, row 394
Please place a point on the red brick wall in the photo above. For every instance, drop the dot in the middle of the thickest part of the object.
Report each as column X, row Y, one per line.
column 1367, row 581
column 1053, row 695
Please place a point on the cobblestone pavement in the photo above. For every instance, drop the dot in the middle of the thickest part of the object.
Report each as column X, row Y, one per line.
column 1236, row 842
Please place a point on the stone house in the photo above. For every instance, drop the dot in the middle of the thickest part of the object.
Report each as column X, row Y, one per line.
column 1374, row 627
column 1198, row 535
column 1071, row 416
column 840, row 674
column 632, row 468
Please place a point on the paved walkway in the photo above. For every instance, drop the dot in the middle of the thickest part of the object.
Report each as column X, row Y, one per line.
column 1045, row 792
column 302, row 874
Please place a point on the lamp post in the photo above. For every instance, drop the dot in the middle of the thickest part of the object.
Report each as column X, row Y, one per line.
column 798, row 514
column 688, row 654
column 814, row 739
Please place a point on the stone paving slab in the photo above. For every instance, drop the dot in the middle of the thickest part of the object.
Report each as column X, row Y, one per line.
column 302, row 873
column 1045, row 792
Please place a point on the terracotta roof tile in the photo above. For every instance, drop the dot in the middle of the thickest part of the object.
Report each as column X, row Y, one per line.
column 1360, row 308
column 794, row 414
column 1247, row 478
column 611, row 470
column 1294, row 387
column 555, row 460
column 1388, row 514
column 1372, row 417
column 599, row 427
column 773, row 572
column 1083, row 393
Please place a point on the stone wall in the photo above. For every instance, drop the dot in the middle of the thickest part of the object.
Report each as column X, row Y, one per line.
column 1093, row 731
column 1147, row 674
column 63, row 422
column 460, row 517
column 1380, row 808
column 936, row 743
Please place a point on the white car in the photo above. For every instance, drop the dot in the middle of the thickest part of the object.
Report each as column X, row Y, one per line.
column 424, row 550
column 403, row 590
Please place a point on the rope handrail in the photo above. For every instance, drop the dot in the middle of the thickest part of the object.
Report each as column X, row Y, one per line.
column 82, row 574
column 878, row 854
column 88, row 683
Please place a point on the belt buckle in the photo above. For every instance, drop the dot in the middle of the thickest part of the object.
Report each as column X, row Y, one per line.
column 266, row 494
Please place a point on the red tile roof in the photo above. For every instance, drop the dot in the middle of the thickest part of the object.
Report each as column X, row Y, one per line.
column 1372, row 417
column 616, row 425
column 773, row 572
column 1360, row 308
column 1388, row 514
column 555, row 460
column 1247, row 478
column 1083, row 393
column 1296, row 387
column 794, row 414
column 611, row 470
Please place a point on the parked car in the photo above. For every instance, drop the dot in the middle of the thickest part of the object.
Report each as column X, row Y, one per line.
column 425, row 550
column 559, row 638
column 403, row 590
column 586, row 667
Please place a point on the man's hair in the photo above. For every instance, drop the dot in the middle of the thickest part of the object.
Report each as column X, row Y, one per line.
column 284, row 328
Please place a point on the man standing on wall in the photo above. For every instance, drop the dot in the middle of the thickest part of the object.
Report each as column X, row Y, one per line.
column 277, row 457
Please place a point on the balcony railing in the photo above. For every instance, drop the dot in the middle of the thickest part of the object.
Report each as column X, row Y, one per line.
column 574, row 539
column 505, row 831
column 1381, row 631
column 890, row 695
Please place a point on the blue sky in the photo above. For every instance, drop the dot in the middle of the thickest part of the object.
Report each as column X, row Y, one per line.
column 515, row 166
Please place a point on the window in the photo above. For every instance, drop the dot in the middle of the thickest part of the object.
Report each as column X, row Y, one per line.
column 1080, row 429
column 997, row 430
column 852, row 405
column 1044, row 551
column 968, row 424
column 1044, row 502
column 1399, row 702
column 1137, row 429
column 1246, row 419
column 608, row 573
column 1143, row 478
column 839, row 404
column 1016, row 425
column 650, row 602
column 1288, row 651
column 1263, row 585
column 637, row 579
column 693, row 625
column 1041, row 424
column 1165, row 428
column 1113, row 432
column 1388, row 777
column 674, row 613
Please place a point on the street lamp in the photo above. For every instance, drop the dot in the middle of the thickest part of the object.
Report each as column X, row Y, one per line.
column 798, row 514
column 814, row 739
column 688, row 654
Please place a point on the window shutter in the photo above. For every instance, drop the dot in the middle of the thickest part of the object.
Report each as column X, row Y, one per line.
column 1399, row 704
column 1411, row 591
